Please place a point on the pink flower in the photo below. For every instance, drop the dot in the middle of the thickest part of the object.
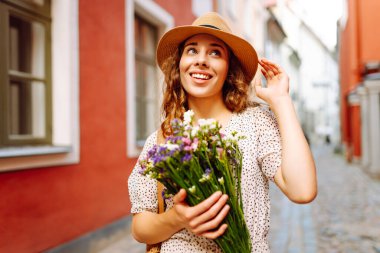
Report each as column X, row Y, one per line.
column 186, row 141
column 220, row 152
column 194, row 145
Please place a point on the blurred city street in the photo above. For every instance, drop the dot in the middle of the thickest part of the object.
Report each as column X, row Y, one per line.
column 345, row 216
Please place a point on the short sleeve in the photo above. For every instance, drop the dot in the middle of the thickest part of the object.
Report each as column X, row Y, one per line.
column 143, row 190
column 269, row 142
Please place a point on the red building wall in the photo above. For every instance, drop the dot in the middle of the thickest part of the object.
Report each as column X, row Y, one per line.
column 181, row 10
column 359, row 44
column 369, row 37
column 42, row 208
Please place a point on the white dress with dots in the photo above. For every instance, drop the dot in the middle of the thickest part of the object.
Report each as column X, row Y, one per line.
column 261, row 159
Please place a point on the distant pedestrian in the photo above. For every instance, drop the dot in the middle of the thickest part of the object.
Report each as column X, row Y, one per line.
column 327, row 139
column 208, row 70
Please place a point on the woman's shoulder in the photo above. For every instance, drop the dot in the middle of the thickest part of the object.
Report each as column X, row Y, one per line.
column 151, row 140
column 257, row 111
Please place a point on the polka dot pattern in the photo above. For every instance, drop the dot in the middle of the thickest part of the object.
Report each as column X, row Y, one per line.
column 261, row 159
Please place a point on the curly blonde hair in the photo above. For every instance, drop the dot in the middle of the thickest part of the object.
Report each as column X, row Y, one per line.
column 235, row 90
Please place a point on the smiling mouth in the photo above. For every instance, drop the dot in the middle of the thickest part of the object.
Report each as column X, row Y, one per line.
column 200, row 76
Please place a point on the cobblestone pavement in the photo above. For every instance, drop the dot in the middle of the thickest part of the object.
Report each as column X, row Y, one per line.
column 344, row 218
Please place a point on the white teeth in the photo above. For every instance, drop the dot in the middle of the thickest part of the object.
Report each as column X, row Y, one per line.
column 200, row 76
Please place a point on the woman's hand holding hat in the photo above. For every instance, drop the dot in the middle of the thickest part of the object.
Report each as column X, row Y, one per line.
column 277, row 83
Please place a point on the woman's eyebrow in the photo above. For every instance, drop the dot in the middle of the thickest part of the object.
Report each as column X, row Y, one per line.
column 217, row 45
column 191, row 44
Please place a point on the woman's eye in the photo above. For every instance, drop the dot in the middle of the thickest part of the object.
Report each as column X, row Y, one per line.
column 215, row 53
column 191, row 51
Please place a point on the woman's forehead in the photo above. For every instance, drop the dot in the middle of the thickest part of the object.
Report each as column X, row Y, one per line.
column 205, row 38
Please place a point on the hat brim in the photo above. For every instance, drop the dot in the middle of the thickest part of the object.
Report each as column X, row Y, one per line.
column 242, row 49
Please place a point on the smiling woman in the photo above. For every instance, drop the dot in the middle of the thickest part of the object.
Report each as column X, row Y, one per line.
column 208, row 70
column 203, row 67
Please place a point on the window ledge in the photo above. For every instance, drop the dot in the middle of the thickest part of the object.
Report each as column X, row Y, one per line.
column 33, row 151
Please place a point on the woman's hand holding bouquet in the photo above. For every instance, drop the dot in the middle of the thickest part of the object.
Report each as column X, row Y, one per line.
column 203, row 162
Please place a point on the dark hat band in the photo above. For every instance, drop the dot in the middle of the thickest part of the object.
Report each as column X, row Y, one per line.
column 211, row 26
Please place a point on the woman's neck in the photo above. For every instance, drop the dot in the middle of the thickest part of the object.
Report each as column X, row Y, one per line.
column 205, row 108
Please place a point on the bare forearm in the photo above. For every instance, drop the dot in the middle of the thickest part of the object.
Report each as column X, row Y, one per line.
column 297, row 169
column 153, row 228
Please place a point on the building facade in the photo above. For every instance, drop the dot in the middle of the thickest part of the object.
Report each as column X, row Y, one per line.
column 311, row 65
column 359, row 83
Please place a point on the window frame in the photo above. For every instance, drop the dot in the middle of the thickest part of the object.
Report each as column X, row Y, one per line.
column 43, row 10
column 147, row 61
column 6, row 138
column 159, row 17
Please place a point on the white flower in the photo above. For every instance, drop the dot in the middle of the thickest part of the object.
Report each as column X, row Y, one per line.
column 230, row 138
column 221, row 180
column 214, row 138
column 192, row 189
column 150, row 175
column 205, row 177
column 202, row 122
column 188, row 117
column 212, row 123
column 172, row 146
column 195, row 131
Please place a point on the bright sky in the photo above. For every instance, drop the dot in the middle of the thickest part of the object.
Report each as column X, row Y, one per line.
column 322, row 16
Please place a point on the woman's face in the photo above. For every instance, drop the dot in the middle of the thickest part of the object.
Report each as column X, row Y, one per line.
column 203, row 66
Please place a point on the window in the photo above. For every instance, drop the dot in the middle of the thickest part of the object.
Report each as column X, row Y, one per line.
column 53, row 74
column 146, row 22
column 146, row 79
column 25, row 80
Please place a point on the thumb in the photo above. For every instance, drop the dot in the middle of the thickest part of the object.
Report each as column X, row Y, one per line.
column 180, row 196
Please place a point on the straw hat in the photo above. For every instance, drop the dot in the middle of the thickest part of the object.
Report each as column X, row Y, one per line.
column 213, row 24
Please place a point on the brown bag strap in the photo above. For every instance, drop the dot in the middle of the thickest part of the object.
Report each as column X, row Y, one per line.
column 160, row 187
column 155, row 248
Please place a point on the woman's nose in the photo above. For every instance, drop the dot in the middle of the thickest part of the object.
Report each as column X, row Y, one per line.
column 201, row 60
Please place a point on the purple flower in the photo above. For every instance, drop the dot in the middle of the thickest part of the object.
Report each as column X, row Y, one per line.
column 152, row 151
column 175, row 122
column 141, row 171
column 187, row 157
column 174, row 139
column 162, row 149
column 161, row 155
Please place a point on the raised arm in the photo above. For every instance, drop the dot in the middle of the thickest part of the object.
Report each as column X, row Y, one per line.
column 297, row 175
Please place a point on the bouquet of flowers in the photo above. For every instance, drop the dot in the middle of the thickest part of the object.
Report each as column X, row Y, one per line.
column 202, row 160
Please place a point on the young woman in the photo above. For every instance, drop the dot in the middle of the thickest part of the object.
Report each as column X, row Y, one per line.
column 208, row 70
